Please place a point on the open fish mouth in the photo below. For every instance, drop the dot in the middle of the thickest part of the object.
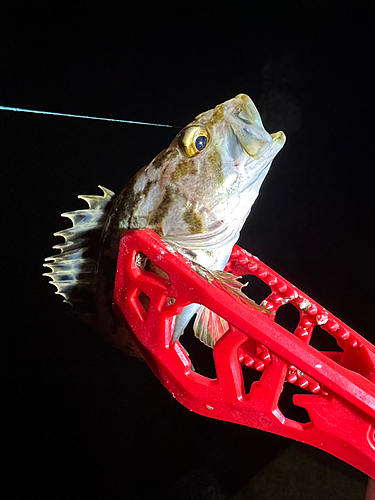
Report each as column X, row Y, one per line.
column 247, row 126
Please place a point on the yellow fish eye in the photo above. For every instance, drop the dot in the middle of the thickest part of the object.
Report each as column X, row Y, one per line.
column 194, row 140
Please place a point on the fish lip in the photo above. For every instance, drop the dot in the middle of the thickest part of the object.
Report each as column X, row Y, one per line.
column 278, row 141
column 247, row 126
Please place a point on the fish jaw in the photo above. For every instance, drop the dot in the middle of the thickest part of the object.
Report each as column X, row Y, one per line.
column 246, row 123
column 257, row 148
column 247, row 126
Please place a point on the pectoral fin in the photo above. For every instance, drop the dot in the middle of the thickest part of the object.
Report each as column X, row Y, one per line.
column 208, row 326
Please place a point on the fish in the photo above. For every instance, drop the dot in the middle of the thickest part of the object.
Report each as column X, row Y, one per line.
column 196, row 194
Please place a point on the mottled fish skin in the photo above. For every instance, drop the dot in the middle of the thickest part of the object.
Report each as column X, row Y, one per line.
column 197, row 203
column 196, row 195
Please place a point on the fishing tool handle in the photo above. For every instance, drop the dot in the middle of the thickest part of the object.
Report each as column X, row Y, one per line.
column 339, row 395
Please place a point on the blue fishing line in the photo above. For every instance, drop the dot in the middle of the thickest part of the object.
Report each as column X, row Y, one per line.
column 21, row 110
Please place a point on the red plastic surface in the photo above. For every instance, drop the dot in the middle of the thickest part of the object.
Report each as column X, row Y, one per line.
column 340, row 397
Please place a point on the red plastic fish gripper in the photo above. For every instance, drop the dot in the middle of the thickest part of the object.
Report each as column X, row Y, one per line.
column 341, row 392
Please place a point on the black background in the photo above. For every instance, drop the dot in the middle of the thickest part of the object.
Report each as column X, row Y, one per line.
column 85, row 421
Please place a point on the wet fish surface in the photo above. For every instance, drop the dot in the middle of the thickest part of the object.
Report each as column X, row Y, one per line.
column 196, row 194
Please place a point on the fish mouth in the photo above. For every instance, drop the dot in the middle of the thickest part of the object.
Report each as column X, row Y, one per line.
column 247, row 126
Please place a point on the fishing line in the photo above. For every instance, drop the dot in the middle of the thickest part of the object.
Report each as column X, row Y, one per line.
column 21, row 110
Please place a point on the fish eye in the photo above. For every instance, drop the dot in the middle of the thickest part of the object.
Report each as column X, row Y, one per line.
column 201, row 142
column 194, row 140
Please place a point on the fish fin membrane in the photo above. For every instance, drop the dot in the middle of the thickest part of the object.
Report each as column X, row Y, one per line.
column 232, row 284
column 72, row 271
column 208, row 326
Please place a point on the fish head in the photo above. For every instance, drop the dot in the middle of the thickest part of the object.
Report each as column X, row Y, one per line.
column 238, row 153
column 198, row 192
column 212, row 171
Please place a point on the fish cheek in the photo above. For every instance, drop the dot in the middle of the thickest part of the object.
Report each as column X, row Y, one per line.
column 161, row 211
column 184, row 167
column 214, row 166
column 194, row 221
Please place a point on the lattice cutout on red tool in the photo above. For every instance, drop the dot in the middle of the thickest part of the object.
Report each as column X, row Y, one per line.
column 334, row 388
column 313, row 317
column 280, row 298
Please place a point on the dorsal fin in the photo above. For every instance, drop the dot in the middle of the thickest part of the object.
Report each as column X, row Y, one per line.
column 73, row 269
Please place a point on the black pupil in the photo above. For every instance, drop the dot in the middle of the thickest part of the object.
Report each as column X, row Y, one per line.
column 201, row 142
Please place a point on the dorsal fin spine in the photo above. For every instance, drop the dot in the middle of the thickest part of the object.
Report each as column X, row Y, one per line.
column 71, row 272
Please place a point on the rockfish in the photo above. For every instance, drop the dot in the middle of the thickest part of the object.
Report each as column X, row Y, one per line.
column 196, row 195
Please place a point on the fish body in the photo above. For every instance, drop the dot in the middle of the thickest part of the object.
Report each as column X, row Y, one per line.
column 196, row 194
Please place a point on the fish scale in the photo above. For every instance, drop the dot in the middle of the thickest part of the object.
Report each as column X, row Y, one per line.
column 196, row 194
